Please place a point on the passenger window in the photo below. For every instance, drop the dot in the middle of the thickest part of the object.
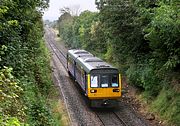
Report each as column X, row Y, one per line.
column 94, row 81
column 115, row 81
column 104, row 80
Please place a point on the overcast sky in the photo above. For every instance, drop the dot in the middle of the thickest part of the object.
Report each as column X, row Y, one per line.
column 53, row 11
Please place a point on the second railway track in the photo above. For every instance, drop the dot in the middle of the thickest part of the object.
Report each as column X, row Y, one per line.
column 60, row 55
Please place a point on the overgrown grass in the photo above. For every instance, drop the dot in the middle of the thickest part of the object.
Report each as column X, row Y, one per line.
column 58, row 111
column 167, row 106
column 160, row 92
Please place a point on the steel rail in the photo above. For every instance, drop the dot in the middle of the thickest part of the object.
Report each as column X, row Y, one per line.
column 100, row 119
column 54, row 48
column 124, row 123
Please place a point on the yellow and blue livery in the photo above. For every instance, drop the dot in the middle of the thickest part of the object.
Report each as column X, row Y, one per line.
column 99, row 81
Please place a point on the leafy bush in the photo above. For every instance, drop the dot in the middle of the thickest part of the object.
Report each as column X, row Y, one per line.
column 167, row 105
column 76, row 31
column 163, row 36
column 10, row 121
column 21, row 48
column 150, row 81
column 133, row 75
column 39, row 114
column 141, row 38
column 10, row 94
column 43, row 70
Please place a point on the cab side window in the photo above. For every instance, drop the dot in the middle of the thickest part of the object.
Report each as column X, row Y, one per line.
column 114, row 81
column 94, row 81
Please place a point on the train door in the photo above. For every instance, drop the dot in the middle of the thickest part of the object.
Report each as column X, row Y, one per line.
column 74, row 69
column 86, row 83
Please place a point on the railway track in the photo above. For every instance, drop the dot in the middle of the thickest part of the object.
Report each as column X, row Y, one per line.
column 110, row 119
column 102, row 117
column 106, row 118
column 73, row 100
column 122, row 121
column 60, row 55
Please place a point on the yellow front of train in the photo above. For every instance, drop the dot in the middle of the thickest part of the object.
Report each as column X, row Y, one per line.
column 104, row 89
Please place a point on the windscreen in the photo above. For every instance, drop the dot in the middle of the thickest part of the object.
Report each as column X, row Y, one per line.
column 104, row 80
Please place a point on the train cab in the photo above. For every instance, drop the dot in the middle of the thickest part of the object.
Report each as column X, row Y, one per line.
column 99, row 81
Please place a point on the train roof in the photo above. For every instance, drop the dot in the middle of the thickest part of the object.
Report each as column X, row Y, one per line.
column 88, row 61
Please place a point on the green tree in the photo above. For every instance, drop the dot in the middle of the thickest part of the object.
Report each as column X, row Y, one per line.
column 142, row 39
column 21, row 32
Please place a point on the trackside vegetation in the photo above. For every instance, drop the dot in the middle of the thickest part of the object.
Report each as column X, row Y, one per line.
column 25, row 73
column 142, row 39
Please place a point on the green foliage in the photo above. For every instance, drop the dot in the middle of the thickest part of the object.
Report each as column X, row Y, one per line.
column 39, row 114
column 78, row 31
column 38, row 85
column 10, row 94
column 2, row 51
column 163, row 36
column 43, row 70
column 9, row 88
column 86, row 20
column 133, row 75
column 144, row 76
column 141, row 38
column 150, row 81
column 10, row 121
column 167, row 105
column 22, row 48
column 65, row 28
column 98, row 39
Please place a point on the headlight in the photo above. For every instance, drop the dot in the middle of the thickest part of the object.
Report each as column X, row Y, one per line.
column 93, row 91
column 115, row 90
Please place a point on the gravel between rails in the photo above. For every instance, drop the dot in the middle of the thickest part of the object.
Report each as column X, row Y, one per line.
column 79, row 112
column 110, row 119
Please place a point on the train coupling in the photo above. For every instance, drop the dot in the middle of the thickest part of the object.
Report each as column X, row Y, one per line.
column 105, row 102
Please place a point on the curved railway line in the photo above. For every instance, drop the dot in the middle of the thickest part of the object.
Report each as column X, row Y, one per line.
column 106, row 117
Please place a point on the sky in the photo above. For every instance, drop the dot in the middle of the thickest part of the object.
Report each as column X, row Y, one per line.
column 53, row 12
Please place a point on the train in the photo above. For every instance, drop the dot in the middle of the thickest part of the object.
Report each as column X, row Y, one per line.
column 99, row 81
